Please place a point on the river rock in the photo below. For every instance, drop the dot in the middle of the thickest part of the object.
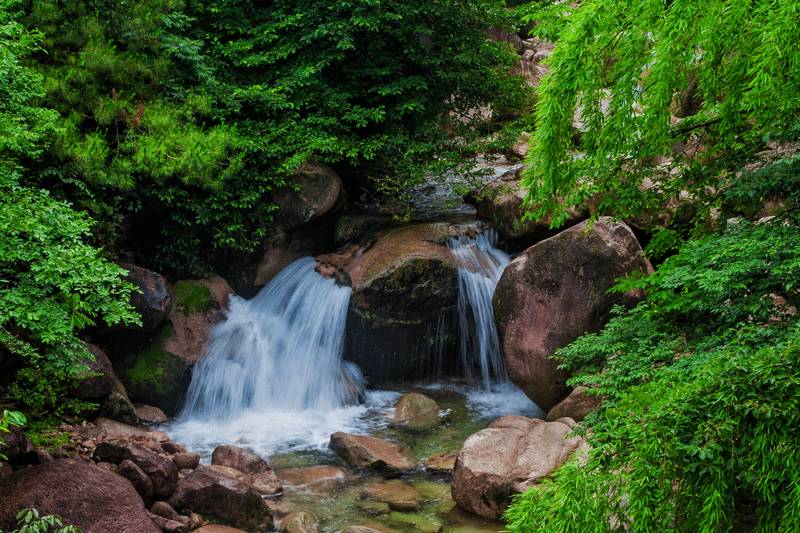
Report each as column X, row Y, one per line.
column 159, row 373
column 186, row 460
column 140, row 481
column 404, row 280
column 301, row 522
column 554, row 292
column 442, row 463
column 167, row 525
column 507, row 458
column 217, row 528
column 318, row 478
column 362, row 451
column 82, row 494
column 154, row 299
column 114, row 429
column 416, row 411
column 18, row 448
column 215, row 495
column 319, row 190
column 575, row 406
column 262, row 478
column 97, row 379
column 396, row 493
column 162, row 471
column 167, row 511
column 150, row 414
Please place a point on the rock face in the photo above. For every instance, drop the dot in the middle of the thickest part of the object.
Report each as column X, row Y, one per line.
column 154, row 301
column 500, row 203
column 98, row 380
column 416, row 411
column 507, row 458
column 215, row 495
column 404, row 279
column 556, row 291
column 82, row 494
column 159, row 373
column 320, row 189
column 575, row 406
column 369, row 452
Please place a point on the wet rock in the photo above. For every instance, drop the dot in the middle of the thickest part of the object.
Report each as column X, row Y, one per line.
column 154, row 300
column 419, row 522
column 164, row 509
column 416, row 411
column 160, row 470
column 94, row 499
column 442, row 463
column 113, row 429
column 320, row 189
column 362, row 451
column 186, row 461
column 232, row 473
column 215, row 495
column 97, row 380
column 556, row 291
column 149, row 414
column 216, row 528
column 404, row 279
column 140, row 481
column 372, row 528
column 262, row 478
column 167, row 525
column 318, row 478
column 301, row 522
column 575, row 406
column 159, row 373
column 397, row 494
column 506, row 459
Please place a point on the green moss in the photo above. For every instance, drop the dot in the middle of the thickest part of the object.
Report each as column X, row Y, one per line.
column 44, row 433
column 150, row 365
column 193, row 296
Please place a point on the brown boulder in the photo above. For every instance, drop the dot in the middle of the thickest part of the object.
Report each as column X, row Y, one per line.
column 318, row 478
column 301, row 522
column 362, row 451
column 442, row 463
column 160, row 470
column 140, row 481
column 17, row 447
column 82, row 494
column 554, row 292
column 5, row 470
column 508, row 458
column 150, row 414
column 217, row 528
column 167, row 525
column 319, row 189
column 213, row 494
column 154, row 300
column 159, row 373
column 399, row 495
column 97, row 380
column 416, row 411
column 240, row 459
column 575, row 406
column 186, row 461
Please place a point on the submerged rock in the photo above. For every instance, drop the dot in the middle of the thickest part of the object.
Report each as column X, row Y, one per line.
column 362, row 451
column 397, row 494
column 416, row 411
column 82, row 494
column 575, row 406
column 258, row 472
column 507, row 458
column 318, row 478
column 442, row 463
column 301, row 522
column 554, row 292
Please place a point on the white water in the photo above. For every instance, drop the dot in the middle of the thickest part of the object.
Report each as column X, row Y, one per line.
column 280, row 351
column 481, row 265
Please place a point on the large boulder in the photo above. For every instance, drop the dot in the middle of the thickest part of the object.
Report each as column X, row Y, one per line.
column 314, row 190
column 575, row 406
column 159, row 372
column 513, row 454
column 554, row 292
column 362, row 451
column 97, row 380
column 404, row 280
column 215, row 495
column 154, row 299
column 500, row 202
column 82, row 494
column 161, row 470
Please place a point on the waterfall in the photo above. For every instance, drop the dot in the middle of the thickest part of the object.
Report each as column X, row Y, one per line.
column 280, row 351
column 480, row 266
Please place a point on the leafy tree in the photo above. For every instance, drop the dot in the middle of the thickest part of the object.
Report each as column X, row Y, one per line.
column 698, row 85
column 52, row 283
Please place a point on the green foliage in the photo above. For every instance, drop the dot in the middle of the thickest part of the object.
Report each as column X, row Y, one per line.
column 193, row 297
column 9, row 419
column 52, row 283
column 624, row 68
column 44, row 433
column 30, row 521
column 701, row 390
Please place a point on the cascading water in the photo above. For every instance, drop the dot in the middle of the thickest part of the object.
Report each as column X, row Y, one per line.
column 480, row 266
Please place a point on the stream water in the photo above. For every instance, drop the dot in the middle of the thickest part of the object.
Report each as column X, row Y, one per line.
column 274, row 381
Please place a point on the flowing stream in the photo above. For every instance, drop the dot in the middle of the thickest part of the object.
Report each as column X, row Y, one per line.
column 481, row 264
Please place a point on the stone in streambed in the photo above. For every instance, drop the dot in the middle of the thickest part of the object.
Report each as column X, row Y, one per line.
column 150, row 414
column 507, row 458
column 217, row 528
column 442, row 463
column 416, row 411
column 362, row 451
column 397, row 494
column 318, row 478
column 301, row 522
column 162, row 471
column 260, row 474
column 419, row 522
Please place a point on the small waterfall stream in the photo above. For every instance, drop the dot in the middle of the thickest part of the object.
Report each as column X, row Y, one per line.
column 481, row 265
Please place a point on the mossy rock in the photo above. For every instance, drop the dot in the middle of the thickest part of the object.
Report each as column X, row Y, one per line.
column 193, row 296
column 418, row 521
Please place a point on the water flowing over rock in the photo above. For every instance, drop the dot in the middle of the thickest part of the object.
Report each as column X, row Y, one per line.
column 511, row 455
column 280, row 350
column 480, row 266
column 556, row 291
column 84, row 495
